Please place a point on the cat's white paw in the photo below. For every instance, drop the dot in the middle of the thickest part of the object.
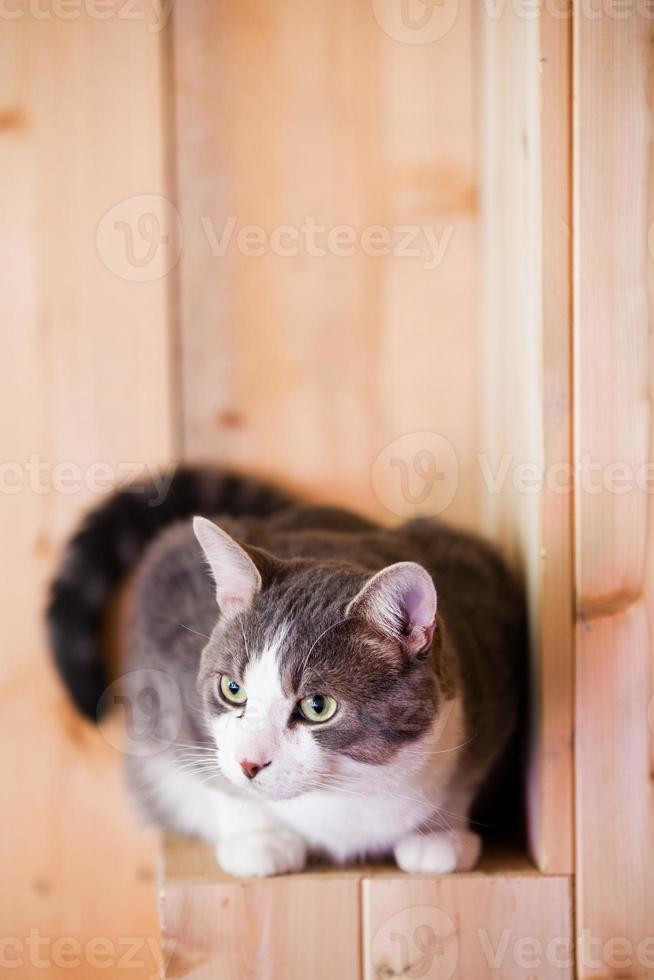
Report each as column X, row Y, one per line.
column 261, row 853
column 438, row 853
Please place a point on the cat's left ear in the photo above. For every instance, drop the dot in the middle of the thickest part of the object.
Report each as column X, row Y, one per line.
column 400, row 602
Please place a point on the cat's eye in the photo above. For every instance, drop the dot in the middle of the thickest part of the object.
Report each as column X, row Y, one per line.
column 317, row 708
column 232, row 691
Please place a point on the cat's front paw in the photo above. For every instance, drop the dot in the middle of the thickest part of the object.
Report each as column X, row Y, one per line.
column 438, row 853
column 262, row 853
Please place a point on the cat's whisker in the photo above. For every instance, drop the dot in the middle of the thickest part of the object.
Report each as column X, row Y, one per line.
column 189, row 763
column 207, row 760
column 437, row 819
column 410, row 800
column 194, row 746
column 319, row 638
column 405, row 798
column 203, row 635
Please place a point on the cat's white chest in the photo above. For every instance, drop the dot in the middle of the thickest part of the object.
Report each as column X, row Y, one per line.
column 346, row 827
column 372, row 807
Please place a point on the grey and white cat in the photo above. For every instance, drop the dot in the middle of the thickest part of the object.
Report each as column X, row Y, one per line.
column 302, row 681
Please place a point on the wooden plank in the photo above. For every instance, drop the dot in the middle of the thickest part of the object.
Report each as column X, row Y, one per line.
column 612, row 313
column 306, row 366
column 614, row 571
column 615, row 804
column 287, row 927
column 84, row 380
column 293, row 927
column 528, row 499
column 502, row 919
column 468, row 926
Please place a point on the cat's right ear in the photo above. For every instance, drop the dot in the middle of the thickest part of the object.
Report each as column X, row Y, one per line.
column 236, row 576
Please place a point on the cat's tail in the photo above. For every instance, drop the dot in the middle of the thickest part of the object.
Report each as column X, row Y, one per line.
column 111, row 540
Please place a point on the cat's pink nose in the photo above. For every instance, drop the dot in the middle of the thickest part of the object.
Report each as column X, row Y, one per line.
column 252, row 768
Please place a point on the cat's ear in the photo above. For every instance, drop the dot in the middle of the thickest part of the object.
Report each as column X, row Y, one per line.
column 236, row 576
column 400, row 603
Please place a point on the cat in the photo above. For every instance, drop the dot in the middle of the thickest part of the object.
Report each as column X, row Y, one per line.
column 301, row 681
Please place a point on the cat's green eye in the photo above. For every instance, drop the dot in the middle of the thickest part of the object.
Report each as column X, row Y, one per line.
column 317, row 708
column 232, row 691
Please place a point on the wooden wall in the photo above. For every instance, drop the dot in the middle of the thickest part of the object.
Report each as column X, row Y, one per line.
column 85, row 381
column 137, row 335
column 568, row 259
column 308, row 365
column 527, row 250
column 614, row 266
column 304, row 367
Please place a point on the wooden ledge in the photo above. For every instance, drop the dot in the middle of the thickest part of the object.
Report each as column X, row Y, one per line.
column 186, row 861
column 359, row 922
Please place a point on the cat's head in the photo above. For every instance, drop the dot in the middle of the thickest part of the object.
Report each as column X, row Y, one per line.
column 313, row 666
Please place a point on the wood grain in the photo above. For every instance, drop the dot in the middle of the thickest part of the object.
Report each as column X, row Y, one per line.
column 613, row 431
column 84, row 380
column 294, row 926
column 613, row 270
column 466, row 926
column 615, row 804
column 527, row 316
column 504, row 919
column 306, row 366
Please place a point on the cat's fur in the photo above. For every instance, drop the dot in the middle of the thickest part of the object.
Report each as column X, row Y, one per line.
column 292, row 601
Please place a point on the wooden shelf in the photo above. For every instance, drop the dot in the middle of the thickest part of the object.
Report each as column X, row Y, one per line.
column 361, row 921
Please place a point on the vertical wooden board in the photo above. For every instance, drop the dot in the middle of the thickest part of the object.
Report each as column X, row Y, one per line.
column 552, row 782
column 613, row 358
column 613, row 431
column 295, row 927
column 85, row 381
column 468, row 926
column 527, row 337
column 306, row 365
column 615, row 804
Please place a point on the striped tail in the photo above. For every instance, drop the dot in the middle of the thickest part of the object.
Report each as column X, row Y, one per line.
column 111, row 541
